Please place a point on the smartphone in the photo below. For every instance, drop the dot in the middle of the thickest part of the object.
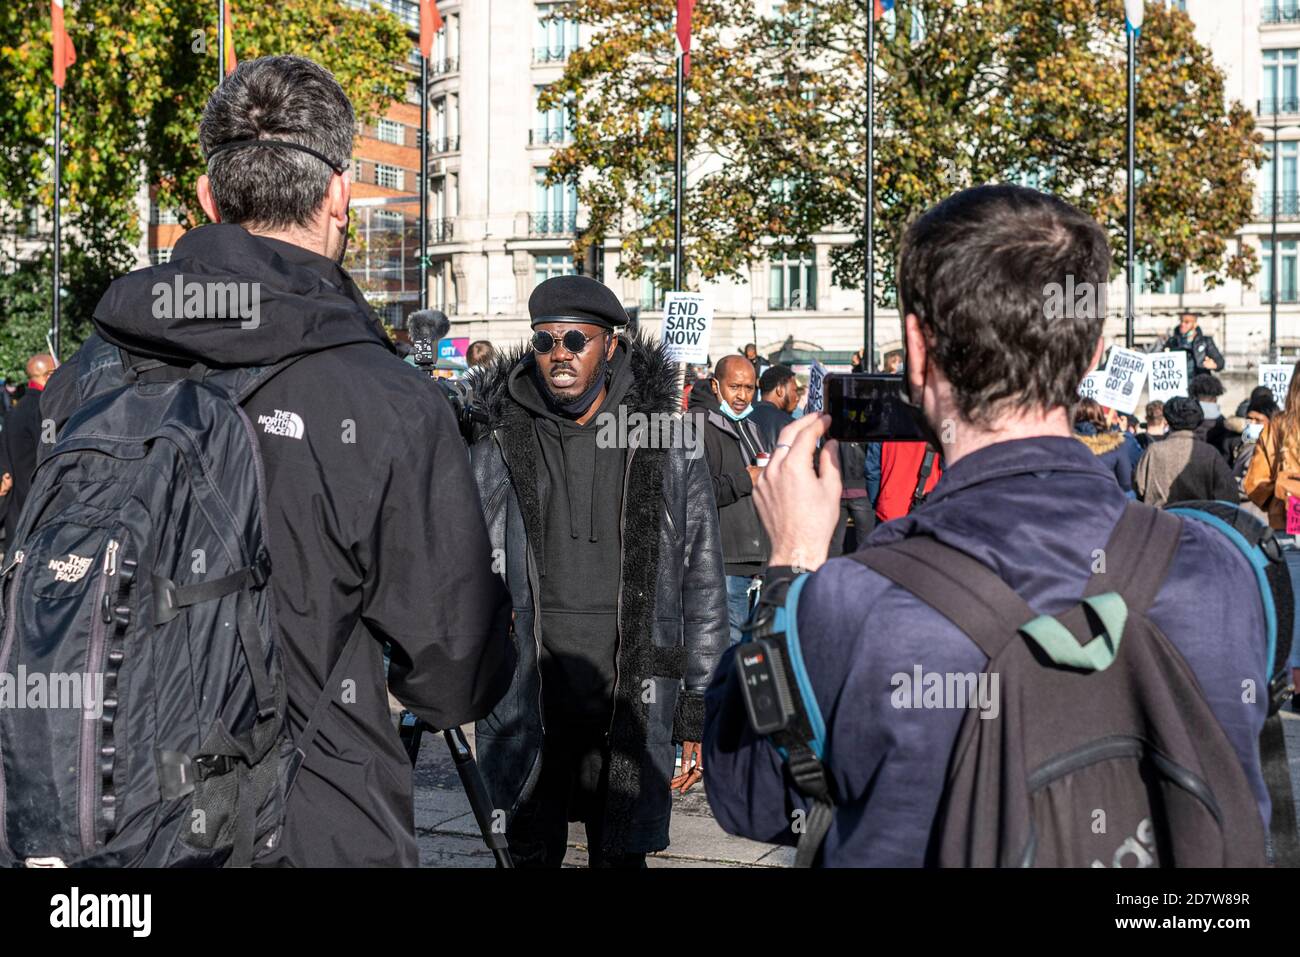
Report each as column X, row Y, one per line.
column 869, row 407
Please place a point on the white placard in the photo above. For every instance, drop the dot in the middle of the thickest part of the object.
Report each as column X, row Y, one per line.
column 688, row 324
column 1277, row 377
column 815, row 401
column 1091, row 385
column 1166, row 375
column 1122, row 386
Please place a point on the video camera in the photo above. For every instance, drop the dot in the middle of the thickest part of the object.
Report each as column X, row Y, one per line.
column 427, row 327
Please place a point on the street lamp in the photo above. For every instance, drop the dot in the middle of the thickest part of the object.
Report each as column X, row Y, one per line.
column 1272, row 264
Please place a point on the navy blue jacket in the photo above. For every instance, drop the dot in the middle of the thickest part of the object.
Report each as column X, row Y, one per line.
column 1033, row 510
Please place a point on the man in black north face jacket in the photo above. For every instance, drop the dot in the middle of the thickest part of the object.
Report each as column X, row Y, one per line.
column 372, row 516
column 610, row 550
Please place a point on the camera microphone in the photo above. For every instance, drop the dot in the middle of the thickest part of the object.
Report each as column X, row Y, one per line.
column 426, row 327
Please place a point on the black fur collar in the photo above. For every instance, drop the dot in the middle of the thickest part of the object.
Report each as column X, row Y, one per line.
column 653, row 389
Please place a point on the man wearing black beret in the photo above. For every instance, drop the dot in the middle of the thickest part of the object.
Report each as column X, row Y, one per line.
column 608, row 541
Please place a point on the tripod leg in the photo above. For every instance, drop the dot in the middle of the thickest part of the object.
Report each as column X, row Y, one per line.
column 476, row 791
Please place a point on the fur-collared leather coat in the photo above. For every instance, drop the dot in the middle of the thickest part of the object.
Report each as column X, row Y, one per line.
column 673, row 607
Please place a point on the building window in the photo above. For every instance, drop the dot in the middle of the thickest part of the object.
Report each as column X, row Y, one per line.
column 551, row 126
column 1288, row 181
column 389, row 177
column 654, row 284
column 162, row 217
column 556, row 35
column 793, row 282
column 1280, row 92
column 555, row 210
column 1286, row 272
column 160, row 256
column 390, row 131
column 1278, row 11
column 357, row 171
column 548, row 267
column 1145, row 279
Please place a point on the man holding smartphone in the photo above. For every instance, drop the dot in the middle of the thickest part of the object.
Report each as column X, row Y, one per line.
column 994, row 377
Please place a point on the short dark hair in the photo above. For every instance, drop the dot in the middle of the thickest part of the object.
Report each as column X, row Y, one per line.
column 1204, row 385
column 286, row 98
column 977, row 269
column 773, row 378
column 1090, row 410
column 480, row 352
column 1155, row 412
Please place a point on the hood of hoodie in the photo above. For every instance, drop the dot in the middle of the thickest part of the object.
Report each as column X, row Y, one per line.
column 304, row 303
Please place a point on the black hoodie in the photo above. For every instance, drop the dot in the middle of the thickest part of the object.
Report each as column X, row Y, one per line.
column 371, row 515
column 578, row 573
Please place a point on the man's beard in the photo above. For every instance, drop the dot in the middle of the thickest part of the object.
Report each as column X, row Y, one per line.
column 343, row 246
column 579, row 401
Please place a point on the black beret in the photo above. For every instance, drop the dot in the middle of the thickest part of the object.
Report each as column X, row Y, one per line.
column 1182, row 412
column 576, row 299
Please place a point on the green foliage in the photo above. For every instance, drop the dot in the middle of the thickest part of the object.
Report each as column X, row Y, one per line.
column 131, row 112
column 1029, row 91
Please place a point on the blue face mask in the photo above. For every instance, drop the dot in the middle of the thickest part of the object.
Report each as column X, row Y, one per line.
column 732, row 414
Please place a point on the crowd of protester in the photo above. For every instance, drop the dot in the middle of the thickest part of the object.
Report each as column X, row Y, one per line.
column 583, row 602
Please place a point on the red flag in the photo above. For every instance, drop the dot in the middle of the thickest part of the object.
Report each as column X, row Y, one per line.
column 430, row 23
column 231, row 60
column 64, row 53
column 684, row 10
column 882, row 6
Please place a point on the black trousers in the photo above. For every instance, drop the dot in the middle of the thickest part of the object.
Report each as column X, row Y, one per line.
column 864, row 520
column 573, row 785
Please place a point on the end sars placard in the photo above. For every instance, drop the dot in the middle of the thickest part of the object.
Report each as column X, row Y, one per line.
column 688, row 324
column 1166, row 375
column 1124, row 375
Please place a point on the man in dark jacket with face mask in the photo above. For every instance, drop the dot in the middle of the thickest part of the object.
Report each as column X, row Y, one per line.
column 732, row 445
column 372, row 518
column 598, row 500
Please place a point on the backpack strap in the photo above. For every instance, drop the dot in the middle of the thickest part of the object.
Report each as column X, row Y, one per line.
column 327, row 695
column 1137, row 556
column 961, row 588
column 923, row 476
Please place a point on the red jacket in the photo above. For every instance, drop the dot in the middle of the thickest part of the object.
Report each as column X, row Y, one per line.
column 900, row 468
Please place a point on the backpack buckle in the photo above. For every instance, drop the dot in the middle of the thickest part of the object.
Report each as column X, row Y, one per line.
column 208, row 765
column 1280, row 691
column 260, row 570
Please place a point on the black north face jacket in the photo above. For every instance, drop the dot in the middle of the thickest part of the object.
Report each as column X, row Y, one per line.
column 672, row 602
column 372, row 517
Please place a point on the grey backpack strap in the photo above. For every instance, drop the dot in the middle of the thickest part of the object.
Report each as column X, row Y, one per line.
column 962, row 589
column 333, row 683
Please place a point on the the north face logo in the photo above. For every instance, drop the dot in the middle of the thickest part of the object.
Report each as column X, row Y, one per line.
column 72, row 570
column 282, row 423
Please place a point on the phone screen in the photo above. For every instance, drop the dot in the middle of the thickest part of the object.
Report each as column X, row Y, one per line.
column 869, row 407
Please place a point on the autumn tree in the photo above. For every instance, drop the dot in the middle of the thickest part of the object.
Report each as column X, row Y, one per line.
column 1030, row 91
column 131, row 111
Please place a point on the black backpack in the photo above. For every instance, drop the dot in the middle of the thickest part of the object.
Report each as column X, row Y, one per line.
column 1104, row 751
column 136, row 593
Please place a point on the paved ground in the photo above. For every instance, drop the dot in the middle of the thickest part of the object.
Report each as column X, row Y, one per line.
column 448, row 836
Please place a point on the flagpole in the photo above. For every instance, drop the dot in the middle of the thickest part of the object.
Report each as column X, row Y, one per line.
column 58, row 214
column 679, row 258
column 1132, row 200
column 869, row 258
column 423, row 181
column 221, row 42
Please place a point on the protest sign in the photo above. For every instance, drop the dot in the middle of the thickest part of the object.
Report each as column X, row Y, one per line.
column 1277, row 376
column 1167, row 372
column 816, row 381
column 1122, row 386
column 1091, row 384
column 688, row 324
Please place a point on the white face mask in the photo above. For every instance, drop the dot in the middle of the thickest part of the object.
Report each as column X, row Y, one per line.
column 1253, row 430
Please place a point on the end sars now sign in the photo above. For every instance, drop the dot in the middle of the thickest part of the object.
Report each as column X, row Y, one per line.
column 688, row 325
